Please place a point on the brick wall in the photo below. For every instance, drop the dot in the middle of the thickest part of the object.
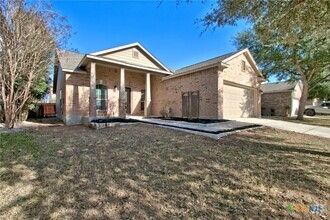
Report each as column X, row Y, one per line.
column 235, row 74
column 170, row 92
column 278, row 101
column 77, row 92
column 208, row 82
column 248, row 77
column 60, row 90
column 76, row 97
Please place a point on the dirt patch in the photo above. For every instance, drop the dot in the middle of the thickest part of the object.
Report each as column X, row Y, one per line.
column 33, row 123
column 143, row 171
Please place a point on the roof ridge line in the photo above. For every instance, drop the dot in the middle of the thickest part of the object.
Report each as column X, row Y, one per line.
column 208, row 60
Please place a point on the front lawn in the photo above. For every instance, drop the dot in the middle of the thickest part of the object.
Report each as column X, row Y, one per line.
column 144, row 171
column 316, row 120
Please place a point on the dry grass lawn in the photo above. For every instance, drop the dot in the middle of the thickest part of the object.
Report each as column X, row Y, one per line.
column 143, row 171
column 317, row 120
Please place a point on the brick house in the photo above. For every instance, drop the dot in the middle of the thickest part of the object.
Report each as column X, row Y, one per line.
column 129, row 80
column 280, row 98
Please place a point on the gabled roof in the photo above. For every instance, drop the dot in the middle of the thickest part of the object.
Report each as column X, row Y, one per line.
column 278, row 87
column 136, row 44
column 88, row 57
column 217, row 61
column 206, row 63
column 70, row 60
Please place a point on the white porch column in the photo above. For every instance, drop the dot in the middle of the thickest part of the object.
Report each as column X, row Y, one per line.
column 147, row 101
column 92, row 91
column 122, row 98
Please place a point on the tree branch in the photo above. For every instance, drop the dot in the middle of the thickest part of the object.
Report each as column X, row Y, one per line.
column 319, row 81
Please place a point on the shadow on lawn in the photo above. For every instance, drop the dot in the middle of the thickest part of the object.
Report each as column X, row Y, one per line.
column 142, row 171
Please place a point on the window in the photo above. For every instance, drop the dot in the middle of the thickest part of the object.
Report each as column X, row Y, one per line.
column 135, row 54
column 143, row 92
column 243, row 65
column 101, row 97
column 326, row 105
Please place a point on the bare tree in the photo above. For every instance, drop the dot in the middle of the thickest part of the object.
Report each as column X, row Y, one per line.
column 29, row 34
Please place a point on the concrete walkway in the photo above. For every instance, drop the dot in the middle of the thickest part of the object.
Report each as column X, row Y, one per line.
column 289, row 126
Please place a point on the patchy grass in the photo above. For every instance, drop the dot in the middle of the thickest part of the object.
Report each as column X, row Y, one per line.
column 14, row 145
column 143, row 171
column 315, row 120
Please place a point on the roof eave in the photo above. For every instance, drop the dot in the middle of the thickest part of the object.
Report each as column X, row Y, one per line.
column 278, row 91
column 74, row 71
column 196, row 70
column 129, row 46
column 92, row 57
column 262, row 79
column 114, row 49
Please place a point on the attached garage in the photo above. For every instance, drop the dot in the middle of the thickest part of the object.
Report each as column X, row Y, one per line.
column 225, row 87
column 238, row 102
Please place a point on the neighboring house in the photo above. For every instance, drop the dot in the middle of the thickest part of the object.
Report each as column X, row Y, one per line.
column 128, row 80
column 280, row 98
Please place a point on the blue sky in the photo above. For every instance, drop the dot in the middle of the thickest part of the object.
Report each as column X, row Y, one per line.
column 168, row 31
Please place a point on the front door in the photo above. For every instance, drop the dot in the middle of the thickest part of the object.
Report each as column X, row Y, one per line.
column 128, row 100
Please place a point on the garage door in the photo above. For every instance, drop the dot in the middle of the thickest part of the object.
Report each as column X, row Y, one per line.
column 238, row 102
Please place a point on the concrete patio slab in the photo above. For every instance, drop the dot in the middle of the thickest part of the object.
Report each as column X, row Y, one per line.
column 213, row 130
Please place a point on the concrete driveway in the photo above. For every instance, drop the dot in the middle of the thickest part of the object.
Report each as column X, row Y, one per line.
column 289, row 126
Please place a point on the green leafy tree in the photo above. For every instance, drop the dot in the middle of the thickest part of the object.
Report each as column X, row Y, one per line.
column 321, row 90
column 38, row 91
column 289, row 39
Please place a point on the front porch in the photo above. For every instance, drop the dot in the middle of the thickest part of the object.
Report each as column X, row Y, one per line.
column 110, row 83
column 118, row 91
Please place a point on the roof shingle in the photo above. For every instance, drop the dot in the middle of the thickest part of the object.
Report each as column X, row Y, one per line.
column 205, row 63
column 277, row 87
column 69, row 60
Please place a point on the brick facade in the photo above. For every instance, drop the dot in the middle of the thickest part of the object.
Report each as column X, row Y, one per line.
column 169, row 92
column 77, row 93
column 234, row 72
column 248, row 80
column 209, row 83
column 279, row 102
column 164, row 91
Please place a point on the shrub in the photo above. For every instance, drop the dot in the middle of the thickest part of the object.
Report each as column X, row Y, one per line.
column 111, row 109
column 166, row 112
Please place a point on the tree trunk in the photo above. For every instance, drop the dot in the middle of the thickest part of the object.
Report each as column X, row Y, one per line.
column 10, row 117
column 303, row 99
column 22, row 115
